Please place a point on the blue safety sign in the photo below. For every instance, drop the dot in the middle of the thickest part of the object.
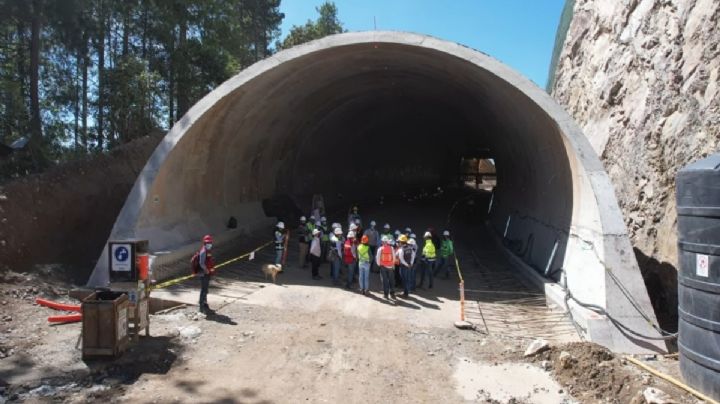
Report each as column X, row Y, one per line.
column 122, row 254
column 120, row 259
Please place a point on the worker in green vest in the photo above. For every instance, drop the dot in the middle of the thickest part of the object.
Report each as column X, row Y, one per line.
column 447, row 249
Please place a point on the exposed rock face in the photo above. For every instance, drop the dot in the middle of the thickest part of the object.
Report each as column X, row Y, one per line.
column 642, row 77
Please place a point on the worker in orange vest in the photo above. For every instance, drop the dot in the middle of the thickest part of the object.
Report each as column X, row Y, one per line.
column 385, row 259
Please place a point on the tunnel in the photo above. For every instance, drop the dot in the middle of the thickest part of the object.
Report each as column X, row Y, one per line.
column 369, row 113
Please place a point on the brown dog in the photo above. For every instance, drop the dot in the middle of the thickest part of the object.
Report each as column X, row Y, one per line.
column 271, row 270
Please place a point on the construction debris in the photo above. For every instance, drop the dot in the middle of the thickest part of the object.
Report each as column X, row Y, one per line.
column 535, row 347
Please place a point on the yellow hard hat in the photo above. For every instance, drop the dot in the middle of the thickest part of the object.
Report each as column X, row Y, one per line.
column 402, row 238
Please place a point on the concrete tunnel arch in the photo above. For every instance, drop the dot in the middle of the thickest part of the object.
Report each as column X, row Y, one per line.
column 388, row 110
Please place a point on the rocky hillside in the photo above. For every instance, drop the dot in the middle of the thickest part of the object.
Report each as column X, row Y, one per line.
column 64, row 215
column 642, row 78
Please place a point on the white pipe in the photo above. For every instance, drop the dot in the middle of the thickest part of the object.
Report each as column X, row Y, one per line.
column 507, row 226
column 552, row 257
column 492, row 197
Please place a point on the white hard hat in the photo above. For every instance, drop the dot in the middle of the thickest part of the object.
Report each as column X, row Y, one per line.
column 312, row 217
column 372, row 223
column 408, row 230
column 357, row 221
column 281, row 225
column 323, row 219
column 413, row 236
column 303, row 219
column 336, row 225
column 397, row 232
column 317, row 223
column 387, row 226
column 353, row 226
column 385, row 239
column 427, row 235
column 316, row 232
column 446, row 233
column 338, row 231
column 412, row 241
column 351, row 234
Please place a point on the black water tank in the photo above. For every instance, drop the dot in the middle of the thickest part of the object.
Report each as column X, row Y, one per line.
column 698, row 208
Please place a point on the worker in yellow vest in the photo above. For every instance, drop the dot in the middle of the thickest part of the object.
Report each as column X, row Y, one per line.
column 429, row 256
column 364, row 255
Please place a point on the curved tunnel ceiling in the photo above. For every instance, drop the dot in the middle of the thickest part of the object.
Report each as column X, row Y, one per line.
column 376, row 111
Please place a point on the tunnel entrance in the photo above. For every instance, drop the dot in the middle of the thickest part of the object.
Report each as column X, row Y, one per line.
column 357, row 115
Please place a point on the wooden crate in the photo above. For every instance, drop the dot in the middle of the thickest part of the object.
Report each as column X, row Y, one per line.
column 105, row 324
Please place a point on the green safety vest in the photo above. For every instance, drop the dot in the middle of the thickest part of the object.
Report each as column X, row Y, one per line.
column 446, row 249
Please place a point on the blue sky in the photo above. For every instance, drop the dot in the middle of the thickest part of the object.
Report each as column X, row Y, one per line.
column 520, row 33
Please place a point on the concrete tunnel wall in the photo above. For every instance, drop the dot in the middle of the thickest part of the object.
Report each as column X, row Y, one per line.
column 372, row 112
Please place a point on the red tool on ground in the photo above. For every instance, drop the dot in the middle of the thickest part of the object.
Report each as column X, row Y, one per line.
column 67, row 318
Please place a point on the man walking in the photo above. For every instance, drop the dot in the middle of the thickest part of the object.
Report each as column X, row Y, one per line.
column 385, row 259
column 303, row 242
column 279, row 242
column 446, row 251
column 207, row 269
column 429, row 257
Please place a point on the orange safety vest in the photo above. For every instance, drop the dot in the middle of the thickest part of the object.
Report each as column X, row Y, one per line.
column 387, row 258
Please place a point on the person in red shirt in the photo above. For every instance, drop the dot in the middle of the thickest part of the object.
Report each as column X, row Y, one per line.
column 350, row 258
column 207, row 269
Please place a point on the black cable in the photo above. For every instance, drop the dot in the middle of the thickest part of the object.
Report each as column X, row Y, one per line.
column 600, row 310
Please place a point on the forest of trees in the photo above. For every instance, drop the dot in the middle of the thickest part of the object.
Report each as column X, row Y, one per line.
column 82, row 76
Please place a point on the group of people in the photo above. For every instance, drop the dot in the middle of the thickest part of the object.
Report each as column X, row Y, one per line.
column 397, row 256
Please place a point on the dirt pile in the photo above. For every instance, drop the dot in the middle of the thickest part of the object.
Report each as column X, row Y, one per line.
column 642, row 78
column 65, row 215
column 593, row 374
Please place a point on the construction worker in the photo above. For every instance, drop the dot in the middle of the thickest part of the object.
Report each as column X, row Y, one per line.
column 354, row 215
column 207, row 269
column 358, row 228
column 413, row 269
column 311, row 225
column 303, row 242
column 324, row 237
column 429, row 257
column 279, row 242
column 315, row 254
column 350, row 257
column 406, row 256
column 385, row 259
column 335, row 255
column 446, row 251
column 396, row 245
column 373, row 238
column 364, row 258
column 386, row 231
